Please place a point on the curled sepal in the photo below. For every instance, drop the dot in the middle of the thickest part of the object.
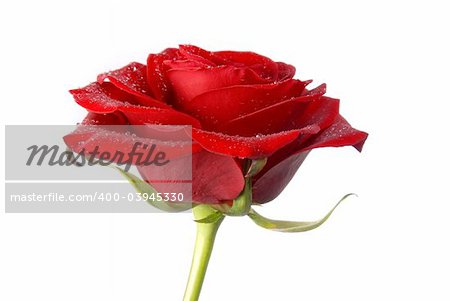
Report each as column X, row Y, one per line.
column 145, row 188
column 211, row 218
column 290, row 226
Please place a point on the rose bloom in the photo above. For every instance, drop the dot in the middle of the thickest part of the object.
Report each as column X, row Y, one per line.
column 241, row 105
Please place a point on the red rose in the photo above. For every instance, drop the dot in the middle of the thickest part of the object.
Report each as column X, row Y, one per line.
column 239, row 104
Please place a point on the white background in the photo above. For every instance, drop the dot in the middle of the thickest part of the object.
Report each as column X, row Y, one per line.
column 386, row 60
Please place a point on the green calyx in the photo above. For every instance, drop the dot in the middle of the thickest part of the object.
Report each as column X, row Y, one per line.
column 291, row 226
column 242, row 205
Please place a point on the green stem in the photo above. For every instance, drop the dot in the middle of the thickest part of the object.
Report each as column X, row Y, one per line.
column 204, row 242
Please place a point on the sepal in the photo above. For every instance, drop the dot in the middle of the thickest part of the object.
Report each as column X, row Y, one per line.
column 290, row 226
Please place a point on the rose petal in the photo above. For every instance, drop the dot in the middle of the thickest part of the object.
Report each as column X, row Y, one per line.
column 321, row 112
column 188, row 83
column 144, row 115
column 283, row 116
column 244, row 147
column 121, row 142
column 157, row 82
column 203, row 56
column 184, row 64
column 95, row 99
column 289, row 158
column 340, row 133
column 106, row 98
column 285, row 71
column 275, row 178
column 116, row 118
column 131, row 79
column 218, row 106
column 119, row 145
column 282, row 165
column 215, row 178
column 264, row 66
